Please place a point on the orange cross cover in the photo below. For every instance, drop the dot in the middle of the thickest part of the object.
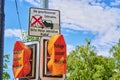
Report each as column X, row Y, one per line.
column 21, row 57
column 57, row 52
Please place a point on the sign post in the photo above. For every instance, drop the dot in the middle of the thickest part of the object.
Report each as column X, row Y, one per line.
column 44, row 22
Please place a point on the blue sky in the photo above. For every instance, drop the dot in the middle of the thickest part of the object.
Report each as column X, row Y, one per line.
column 97, row 20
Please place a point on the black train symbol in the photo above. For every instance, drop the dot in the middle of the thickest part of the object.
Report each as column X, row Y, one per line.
column 48, row 23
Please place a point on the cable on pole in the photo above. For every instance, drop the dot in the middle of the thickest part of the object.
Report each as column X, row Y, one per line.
column 18, row 17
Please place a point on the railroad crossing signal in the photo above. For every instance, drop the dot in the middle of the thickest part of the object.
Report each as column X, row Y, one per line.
column 45, row 73
column 34, row 62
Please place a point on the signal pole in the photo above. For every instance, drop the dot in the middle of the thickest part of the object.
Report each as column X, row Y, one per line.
column 2, row 19
column 44, row 4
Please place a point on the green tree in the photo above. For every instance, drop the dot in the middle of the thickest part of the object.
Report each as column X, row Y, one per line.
column 115, row 51
column 5, row 75
column 28, row 38
column 83, row 63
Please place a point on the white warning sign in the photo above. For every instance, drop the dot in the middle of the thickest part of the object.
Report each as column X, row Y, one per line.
column 44, row 22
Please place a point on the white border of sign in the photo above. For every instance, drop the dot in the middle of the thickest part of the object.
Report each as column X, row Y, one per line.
column 43, row 22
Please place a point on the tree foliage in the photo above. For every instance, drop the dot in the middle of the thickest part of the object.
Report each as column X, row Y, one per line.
column 115, row 51
column 83, row 63
column 28, row 38
column 6, row 75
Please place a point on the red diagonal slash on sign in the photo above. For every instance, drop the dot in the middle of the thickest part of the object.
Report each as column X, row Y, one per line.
column 37, row 20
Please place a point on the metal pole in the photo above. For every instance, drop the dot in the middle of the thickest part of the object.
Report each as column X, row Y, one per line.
column 44, row 4
column 2, row 18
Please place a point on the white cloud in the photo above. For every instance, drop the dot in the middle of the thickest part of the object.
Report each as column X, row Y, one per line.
column 13, row 33
column 105, row 53
column 98, row 17
column 95, row 17
column 70, row 48
column 115, row 3
column 83, row 16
